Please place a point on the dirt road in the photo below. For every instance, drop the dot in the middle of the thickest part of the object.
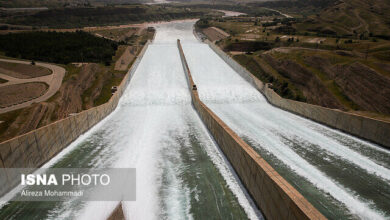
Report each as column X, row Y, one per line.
column 215, row 34
column 54, row 81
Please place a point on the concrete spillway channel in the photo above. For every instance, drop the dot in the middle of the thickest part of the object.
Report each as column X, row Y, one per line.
column 342, row 176
column 275, row 196
column 181, row 173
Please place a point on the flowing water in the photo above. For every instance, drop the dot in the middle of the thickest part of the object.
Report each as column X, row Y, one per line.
column 181, row 173
column 342, row 176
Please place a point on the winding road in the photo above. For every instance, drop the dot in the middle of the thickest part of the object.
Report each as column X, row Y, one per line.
column 54, row 81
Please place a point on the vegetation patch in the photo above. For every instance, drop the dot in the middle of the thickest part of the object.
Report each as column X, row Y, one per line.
column 3, row 80
column 98, row 16
column 249, row 46
column 58, row 47
column 280, row 85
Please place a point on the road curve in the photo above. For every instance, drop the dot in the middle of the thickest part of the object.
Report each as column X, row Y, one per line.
column 54, row 81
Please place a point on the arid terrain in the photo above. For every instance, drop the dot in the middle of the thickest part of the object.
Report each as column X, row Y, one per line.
column 215, row 34
column 350, row 73
column 15, row 94
column 23, row 71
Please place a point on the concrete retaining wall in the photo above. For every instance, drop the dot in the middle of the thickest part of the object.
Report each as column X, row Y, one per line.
column 276, row 198
column 373, row 130
column 33, row 149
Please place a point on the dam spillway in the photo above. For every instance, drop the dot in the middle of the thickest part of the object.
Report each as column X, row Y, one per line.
column 182, row 174
column 342, row 176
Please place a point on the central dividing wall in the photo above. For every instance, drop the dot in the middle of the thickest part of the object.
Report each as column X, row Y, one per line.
column 275, row 197
column 33, row 149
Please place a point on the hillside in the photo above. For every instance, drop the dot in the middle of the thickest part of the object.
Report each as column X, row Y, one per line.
column 91, row 72
column 350, row 72
column 40, row 3
column 102, row 15
column 358, row 18
column 63, row 3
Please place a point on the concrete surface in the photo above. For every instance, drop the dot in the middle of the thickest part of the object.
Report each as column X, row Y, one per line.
column 276, row 198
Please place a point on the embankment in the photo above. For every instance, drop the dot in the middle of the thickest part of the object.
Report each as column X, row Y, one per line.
column 276, row 198
column 33, row 149
column 373, row 130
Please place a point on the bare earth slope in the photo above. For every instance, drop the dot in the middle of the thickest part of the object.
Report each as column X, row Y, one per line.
column 312, row 88
column 359, row 82
column 350, row 17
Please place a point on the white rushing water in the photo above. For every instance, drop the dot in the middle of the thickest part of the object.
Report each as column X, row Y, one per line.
column 182, row 174
column 154, row 111
column 290, row 139
column 156, row 130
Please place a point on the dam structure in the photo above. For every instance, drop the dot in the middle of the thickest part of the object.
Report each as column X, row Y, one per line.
column 341, row 175
column 182, row 173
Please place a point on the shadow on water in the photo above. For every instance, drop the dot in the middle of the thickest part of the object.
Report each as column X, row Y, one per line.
column 208, row 192
column 80, row 157
column 325, row 203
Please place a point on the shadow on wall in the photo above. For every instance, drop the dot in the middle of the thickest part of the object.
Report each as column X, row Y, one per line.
column 275, row 197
